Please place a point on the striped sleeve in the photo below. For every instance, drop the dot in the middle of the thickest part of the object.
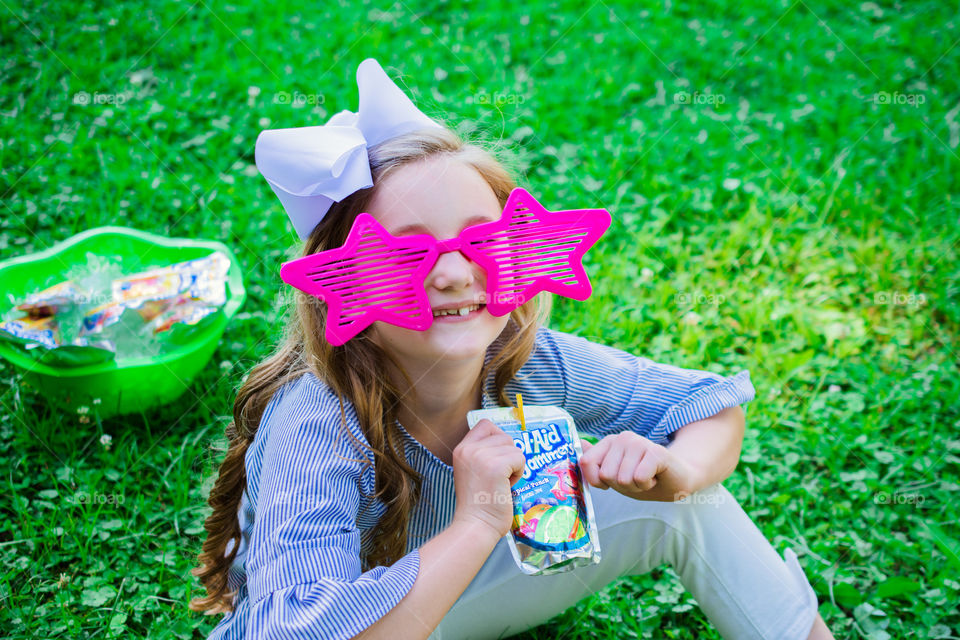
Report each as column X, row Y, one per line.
column 607, row 390
column 304, row 571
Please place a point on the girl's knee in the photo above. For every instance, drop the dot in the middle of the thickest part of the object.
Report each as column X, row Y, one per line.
column 667, row 531
column 695, row 524
column 709, row 505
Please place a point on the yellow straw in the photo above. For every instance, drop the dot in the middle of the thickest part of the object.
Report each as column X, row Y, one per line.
column 523, row 423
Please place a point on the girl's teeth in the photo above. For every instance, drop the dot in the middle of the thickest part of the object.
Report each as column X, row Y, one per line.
column 460, row 312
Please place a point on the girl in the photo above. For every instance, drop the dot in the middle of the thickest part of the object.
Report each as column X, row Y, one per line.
column 354, row 501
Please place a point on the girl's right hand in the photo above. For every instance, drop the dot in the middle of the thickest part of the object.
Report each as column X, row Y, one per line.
column 486, row 464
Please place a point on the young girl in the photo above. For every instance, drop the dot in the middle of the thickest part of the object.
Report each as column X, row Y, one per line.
column 355, row 501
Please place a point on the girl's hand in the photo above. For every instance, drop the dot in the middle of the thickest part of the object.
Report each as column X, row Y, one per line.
column 634, row 466
column 486, row 464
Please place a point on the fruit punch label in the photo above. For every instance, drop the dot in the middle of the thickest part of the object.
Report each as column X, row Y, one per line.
column 553, row 526
column 548, row 506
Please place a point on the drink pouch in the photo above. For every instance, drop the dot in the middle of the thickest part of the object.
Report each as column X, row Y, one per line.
column 32, row 331
column 554, row 528
column 100, row 313
column 48, row 302
column 202, row 279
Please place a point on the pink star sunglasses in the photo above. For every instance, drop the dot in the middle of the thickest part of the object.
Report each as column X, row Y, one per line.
column 376, row 276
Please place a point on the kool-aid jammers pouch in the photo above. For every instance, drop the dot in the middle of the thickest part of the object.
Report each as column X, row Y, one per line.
column 553, row 526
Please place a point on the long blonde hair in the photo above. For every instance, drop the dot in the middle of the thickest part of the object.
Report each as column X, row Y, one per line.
column 355, row 371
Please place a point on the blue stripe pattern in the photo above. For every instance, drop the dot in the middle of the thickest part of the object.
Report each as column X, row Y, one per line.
column 298, row 572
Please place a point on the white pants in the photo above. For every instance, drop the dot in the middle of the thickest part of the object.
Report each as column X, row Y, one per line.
column 740, row 582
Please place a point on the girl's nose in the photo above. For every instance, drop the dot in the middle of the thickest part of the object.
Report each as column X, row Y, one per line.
column 452, row 271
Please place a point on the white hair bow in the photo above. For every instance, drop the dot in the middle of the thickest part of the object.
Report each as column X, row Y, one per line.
column 310, row 168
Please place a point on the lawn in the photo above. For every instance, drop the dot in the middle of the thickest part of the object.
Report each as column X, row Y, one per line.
column 783, row 179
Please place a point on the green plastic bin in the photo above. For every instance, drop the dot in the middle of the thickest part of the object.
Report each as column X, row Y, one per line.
column 126, row 385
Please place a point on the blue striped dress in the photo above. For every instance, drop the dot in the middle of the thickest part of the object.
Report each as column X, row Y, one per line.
column 298, row 572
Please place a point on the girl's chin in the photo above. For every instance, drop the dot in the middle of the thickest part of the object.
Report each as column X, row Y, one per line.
column 449, row 341
column 463, row 336
column 460, row 340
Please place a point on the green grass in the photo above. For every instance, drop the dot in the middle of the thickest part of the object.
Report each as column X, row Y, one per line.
column 784, row 221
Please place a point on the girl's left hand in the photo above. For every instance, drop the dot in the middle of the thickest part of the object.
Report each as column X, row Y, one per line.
column 633, row 465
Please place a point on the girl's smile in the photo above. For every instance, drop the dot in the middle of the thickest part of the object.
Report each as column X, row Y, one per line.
column 463, row 312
